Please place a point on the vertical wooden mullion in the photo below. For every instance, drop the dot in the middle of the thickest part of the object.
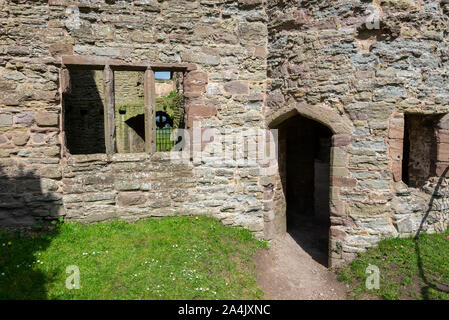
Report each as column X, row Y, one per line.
column 150, row 111
column 109, row 109
column 64, row 77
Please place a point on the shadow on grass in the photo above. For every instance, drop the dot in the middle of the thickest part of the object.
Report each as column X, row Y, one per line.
column 429, row 284
column 26, row 230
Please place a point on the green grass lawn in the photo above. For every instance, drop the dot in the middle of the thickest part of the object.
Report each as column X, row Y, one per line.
column 170, row 258
column 409, row 269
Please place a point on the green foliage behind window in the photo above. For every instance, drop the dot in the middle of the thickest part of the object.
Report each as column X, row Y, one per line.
column 172, row 104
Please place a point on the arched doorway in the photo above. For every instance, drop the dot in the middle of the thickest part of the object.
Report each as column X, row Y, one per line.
column 304, row 148
column 304, row 168
column 312, row 157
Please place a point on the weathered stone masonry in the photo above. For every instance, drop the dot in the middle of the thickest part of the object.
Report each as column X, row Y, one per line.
column 224, row 42
column 325, row 64
column 253, row 64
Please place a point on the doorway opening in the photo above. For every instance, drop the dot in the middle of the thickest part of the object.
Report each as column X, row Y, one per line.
column 304, row 162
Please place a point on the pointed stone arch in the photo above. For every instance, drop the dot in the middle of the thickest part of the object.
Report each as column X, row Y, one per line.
column 329, row 117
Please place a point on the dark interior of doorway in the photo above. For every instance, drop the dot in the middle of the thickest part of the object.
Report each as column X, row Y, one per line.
column 305, row 174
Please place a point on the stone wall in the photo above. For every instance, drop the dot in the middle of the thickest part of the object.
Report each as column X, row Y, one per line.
column 133, row 186
column 164, row 87
column 326, row 63
column 226, row 41
column 257, row 64
column 128, row 87
column 129, row 186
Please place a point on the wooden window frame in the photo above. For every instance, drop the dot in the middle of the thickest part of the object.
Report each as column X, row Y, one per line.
column 109, row 66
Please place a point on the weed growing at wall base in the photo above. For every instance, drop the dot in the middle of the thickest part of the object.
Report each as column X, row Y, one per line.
column 170, row 258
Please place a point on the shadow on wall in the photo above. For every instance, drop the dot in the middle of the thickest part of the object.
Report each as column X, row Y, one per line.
column 84, row 112
column 137, row 123
column 426, row 278
column 25, row 215
column 136, row 133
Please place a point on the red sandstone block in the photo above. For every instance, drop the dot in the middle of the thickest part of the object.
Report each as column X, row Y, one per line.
column 396, row 143
column 442, row 168
column 193, row 101
column 194, row 90
column 396, row 149
column 47, row 119
column 196, row 77
column 130, row 198
column 274, row 100
column 65, row 80
column 58, row 49
column 195, row 84
column 443, row 151
column 341, row 140
column 202, row 111
column 396, row 133
column 443, row 136
column 336, row 233
column 396, row 127
column 237, row 87
column 343, row 182
column 396, row 169
column 444, row 122
column 337, row 208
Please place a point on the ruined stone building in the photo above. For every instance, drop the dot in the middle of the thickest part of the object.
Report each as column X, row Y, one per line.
column 357, row 89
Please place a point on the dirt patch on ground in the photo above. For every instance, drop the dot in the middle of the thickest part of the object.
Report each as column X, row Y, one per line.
column 287, row 272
